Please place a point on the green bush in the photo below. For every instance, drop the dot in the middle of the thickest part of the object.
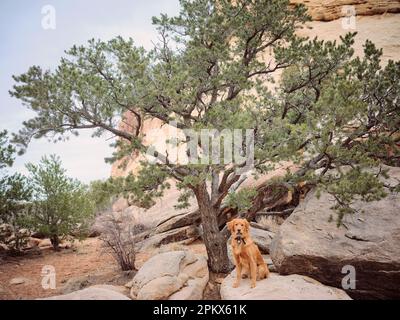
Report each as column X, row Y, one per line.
column 15, row 194
column 62, row 205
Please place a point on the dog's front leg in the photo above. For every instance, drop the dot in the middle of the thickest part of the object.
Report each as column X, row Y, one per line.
column 253, row 272
column 238, row 271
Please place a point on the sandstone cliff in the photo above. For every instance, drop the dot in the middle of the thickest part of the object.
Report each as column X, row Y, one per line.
column 328, row 10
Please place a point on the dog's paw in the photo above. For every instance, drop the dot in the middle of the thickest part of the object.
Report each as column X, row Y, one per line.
column 235, row 284
column 253, row 285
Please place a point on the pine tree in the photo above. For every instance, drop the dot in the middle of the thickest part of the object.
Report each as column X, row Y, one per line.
column 212, row 68
column 61, row 205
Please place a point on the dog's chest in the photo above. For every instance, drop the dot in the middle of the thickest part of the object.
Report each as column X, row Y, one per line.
column 240, row 250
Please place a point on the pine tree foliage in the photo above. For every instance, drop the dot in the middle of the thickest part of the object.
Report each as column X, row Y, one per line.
column 214, row 67
column 61, row 205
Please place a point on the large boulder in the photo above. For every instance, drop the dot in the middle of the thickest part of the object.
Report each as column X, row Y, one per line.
column 155, row 240
column 333, row 9
column 277, row 287
column 162, row 223
column 177, row 221
column 92, row 293
column 262, row 238
column 309, row 244
column 163, row 209
column 171, row 275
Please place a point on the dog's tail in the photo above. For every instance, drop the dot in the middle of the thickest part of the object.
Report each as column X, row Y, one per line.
column 263, row 270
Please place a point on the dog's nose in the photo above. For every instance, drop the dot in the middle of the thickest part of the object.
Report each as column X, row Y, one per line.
column 239, row 231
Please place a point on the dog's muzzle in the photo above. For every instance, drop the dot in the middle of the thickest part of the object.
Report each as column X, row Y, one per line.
column 239, row 239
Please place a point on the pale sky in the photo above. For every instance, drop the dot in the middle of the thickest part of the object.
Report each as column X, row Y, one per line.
column 25, row 43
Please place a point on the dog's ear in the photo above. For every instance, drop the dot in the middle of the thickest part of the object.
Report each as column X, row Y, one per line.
column 246, row 225
column 230, row 225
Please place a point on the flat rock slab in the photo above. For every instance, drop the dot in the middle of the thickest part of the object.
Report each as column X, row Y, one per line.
column 92, row 293
column 277, row 287
column 156, row 240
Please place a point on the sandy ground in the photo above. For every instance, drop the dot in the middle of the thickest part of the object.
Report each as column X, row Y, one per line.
column 86, row 260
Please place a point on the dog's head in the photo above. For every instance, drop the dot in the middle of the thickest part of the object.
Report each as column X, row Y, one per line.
column 239, row 227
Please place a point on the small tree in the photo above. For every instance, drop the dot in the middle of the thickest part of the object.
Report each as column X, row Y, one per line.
column 61, row 204
column 212, row 68
column 15, row 194
column 14, row 189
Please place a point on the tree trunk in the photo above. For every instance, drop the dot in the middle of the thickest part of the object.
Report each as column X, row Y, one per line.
column 55, row 242
column 214, row 241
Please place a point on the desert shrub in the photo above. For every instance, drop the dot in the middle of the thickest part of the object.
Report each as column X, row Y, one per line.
column 13, row 239
column 14, row 208
column 15, row 194
column 118, row 236
column 61, row 205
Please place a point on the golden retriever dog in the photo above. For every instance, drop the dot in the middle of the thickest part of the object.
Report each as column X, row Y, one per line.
column 246, row 253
